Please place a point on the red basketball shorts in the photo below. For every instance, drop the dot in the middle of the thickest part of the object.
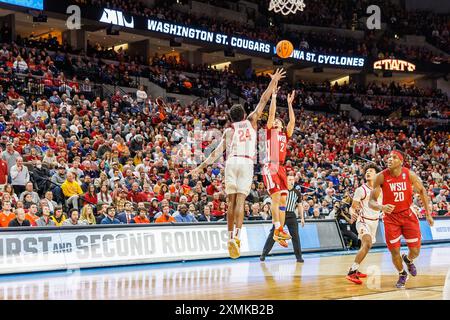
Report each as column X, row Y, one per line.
column 275, row 178
column 400, row 224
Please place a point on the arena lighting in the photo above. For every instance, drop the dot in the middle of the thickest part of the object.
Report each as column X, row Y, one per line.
column 394, row 65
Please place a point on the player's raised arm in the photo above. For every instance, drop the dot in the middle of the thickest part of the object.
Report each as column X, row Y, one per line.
column 256, row 114
column 291, row 125
column 217, row 152
column 375, row 193
column 273, row 108
column 418, row 186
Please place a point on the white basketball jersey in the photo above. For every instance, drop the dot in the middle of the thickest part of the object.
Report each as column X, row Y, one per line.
column 362, row 194
column 243, row 143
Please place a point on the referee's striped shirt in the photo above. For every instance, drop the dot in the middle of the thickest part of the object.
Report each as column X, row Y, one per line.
column 293, row 198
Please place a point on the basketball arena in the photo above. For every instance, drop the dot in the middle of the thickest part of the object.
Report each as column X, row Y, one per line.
column 224, row 150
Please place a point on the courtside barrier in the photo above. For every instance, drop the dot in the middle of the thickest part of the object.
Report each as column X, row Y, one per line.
column 50, row 249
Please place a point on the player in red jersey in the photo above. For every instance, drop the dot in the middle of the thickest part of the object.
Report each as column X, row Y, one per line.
column 398, row 185
column 274, row 171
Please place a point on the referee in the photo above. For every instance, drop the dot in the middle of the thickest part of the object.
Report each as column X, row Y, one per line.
column 293, row 208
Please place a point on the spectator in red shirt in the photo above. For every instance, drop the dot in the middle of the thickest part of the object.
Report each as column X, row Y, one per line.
column 213, row 187
column 135, row 195
column 147, row 195
column 3, row 172
column 90, row 197
column 12, row 94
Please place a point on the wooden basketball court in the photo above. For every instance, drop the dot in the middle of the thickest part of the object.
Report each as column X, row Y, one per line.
column 322, row 276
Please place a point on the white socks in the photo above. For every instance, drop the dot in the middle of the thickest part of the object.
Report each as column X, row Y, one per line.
column 354, row 267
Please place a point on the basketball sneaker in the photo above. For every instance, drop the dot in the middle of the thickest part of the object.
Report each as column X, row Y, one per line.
column 402, row 278
column 360, row 274
column 283, row 243
column 280, row 234
column 353, row 277
column 411, row 267
column 233, row 249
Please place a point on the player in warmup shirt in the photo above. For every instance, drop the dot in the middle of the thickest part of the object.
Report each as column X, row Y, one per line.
column 273, row 170
column 366, row 220
column 397, row 184
column 239, row 142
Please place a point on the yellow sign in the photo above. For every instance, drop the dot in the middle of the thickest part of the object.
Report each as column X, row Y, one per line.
column 394, row 65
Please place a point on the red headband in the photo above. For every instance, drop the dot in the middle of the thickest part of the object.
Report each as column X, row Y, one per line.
column 398, row 154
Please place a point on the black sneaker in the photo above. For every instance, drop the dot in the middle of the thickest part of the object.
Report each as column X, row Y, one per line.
column 262, row 258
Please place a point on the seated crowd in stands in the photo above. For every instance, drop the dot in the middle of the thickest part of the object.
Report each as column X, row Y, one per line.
column 72, row 158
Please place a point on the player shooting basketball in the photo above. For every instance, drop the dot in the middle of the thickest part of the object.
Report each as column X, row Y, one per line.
column 239, row 141
column 274, row 171
column 398, row 184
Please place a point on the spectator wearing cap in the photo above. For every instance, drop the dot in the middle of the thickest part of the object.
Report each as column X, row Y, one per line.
column 10, row 155
column 45, row 220
column 71, row 190
column 20, row 176
column 110, row 216
column 20, row 220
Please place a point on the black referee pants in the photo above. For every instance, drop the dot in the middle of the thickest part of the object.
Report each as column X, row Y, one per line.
column 292, row 224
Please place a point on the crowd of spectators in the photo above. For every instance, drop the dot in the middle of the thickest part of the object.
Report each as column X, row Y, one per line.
column 98, row 160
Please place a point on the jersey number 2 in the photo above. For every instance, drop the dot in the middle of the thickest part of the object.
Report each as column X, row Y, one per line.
column 244, row 135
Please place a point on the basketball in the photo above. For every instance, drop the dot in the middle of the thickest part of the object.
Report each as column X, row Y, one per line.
column 284, row 49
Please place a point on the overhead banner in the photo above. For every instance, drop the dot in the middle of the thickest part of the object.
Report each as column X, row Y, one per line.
column 170, row 28
column 73, row 248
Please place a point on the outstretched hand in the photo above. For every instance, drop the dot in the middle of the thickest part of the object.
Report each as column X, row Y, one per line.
column 291, row 97
column 278, row 74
